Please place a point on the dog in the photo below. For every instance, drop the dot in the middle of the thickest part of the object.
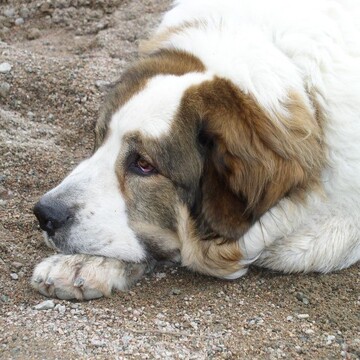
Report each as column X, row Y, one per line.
column 233, row 141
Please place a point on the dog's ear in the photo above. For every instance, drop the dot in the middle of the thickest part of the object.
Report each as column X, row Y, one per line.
column 251, row 159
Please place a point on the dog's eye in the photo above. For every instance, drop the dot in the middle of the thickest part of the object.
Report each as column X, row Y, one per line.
column 142, row 167
column 145, row 166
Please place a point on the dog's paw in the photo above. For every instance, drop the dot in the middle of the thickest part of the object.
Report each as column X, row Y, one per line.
column 83, row 277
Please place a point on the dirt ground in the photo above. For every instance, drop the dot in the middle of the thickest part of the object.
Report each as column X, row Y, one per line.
column 62, row 54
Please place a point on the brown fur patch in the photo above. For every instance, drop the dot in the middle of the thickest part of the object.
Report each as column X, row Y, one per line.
column 253, row 160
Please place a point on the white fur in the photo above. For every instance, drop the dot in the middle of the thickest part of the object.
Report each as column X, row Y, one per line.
column 152, row 110
column 83, row 277
column 103, row 228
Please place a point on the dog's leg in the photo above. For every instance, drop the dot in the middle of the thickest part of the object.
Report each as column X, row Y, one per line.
column 84, row 277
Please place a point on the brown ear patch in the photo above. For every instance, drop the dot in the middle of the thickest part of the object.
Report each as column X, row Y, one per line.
column 254, row 159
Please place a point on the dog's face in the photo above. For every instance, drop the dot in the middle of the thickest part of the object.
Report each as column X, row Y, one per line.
column 181, row 157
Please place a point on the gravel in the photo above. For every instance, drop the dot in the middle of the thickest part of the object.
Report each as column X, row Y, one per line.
column 46, row 121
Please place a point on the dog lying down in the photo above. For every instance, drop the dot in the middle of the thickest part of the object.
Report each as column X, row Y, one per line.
column 234, row 141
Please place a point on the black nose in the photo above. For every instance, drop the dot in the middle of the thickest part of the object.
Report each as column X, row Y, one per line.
column 52, row 215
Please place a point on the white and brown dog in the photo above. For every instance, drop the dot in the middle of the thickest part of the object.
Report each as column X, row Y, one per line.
column 236, row 141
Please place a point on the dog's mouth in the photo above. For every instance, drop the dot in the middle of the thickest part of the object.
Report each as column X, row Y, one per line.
column 49, row 242
column 61, row 246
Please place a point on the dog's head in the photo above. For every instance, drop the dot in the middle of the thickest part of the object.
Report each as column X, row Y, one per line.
column 184, row 164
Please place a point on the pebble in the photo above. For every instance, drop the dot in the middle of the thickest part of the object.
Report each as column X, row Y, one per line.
column 33, row 34
column 175, row 291
column 19, row 21
column 24, row 12
column 30, row 115
column 289, row 318
column 330, row 339
column 97, row 342
column 14, row 276
column 60, row 308
column 17, row 264
column 4, row 89
column 9, row 12
column 160, row 276
column 101, row 84
column 4, row 298
column 301, row 297
column 5, row 67
column 45, row 305
column 302, row 316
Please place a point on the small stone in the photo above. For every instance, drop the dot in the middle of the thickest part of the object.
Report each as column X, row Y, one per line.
column 9, row 12
column 330, row 339
column 302, row 316
column 309, row 331
column 24, row 13
column 14, row 276
column 289, row 318
column 160, row 276
column 97, row 342
column 102, row 84
column 45, row 305
column 19, row 21
column 30, row 115
column 4, row 89
column 17, row 264
column 45, row 8
column 301, row 297
column 5, row 67
column 60, row 308
column 175, row 291
column 33, row 34
column 4, row 298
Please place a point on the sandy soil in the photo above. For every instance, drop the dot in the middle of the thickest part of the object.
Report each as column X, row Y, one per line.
column 62, row 54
